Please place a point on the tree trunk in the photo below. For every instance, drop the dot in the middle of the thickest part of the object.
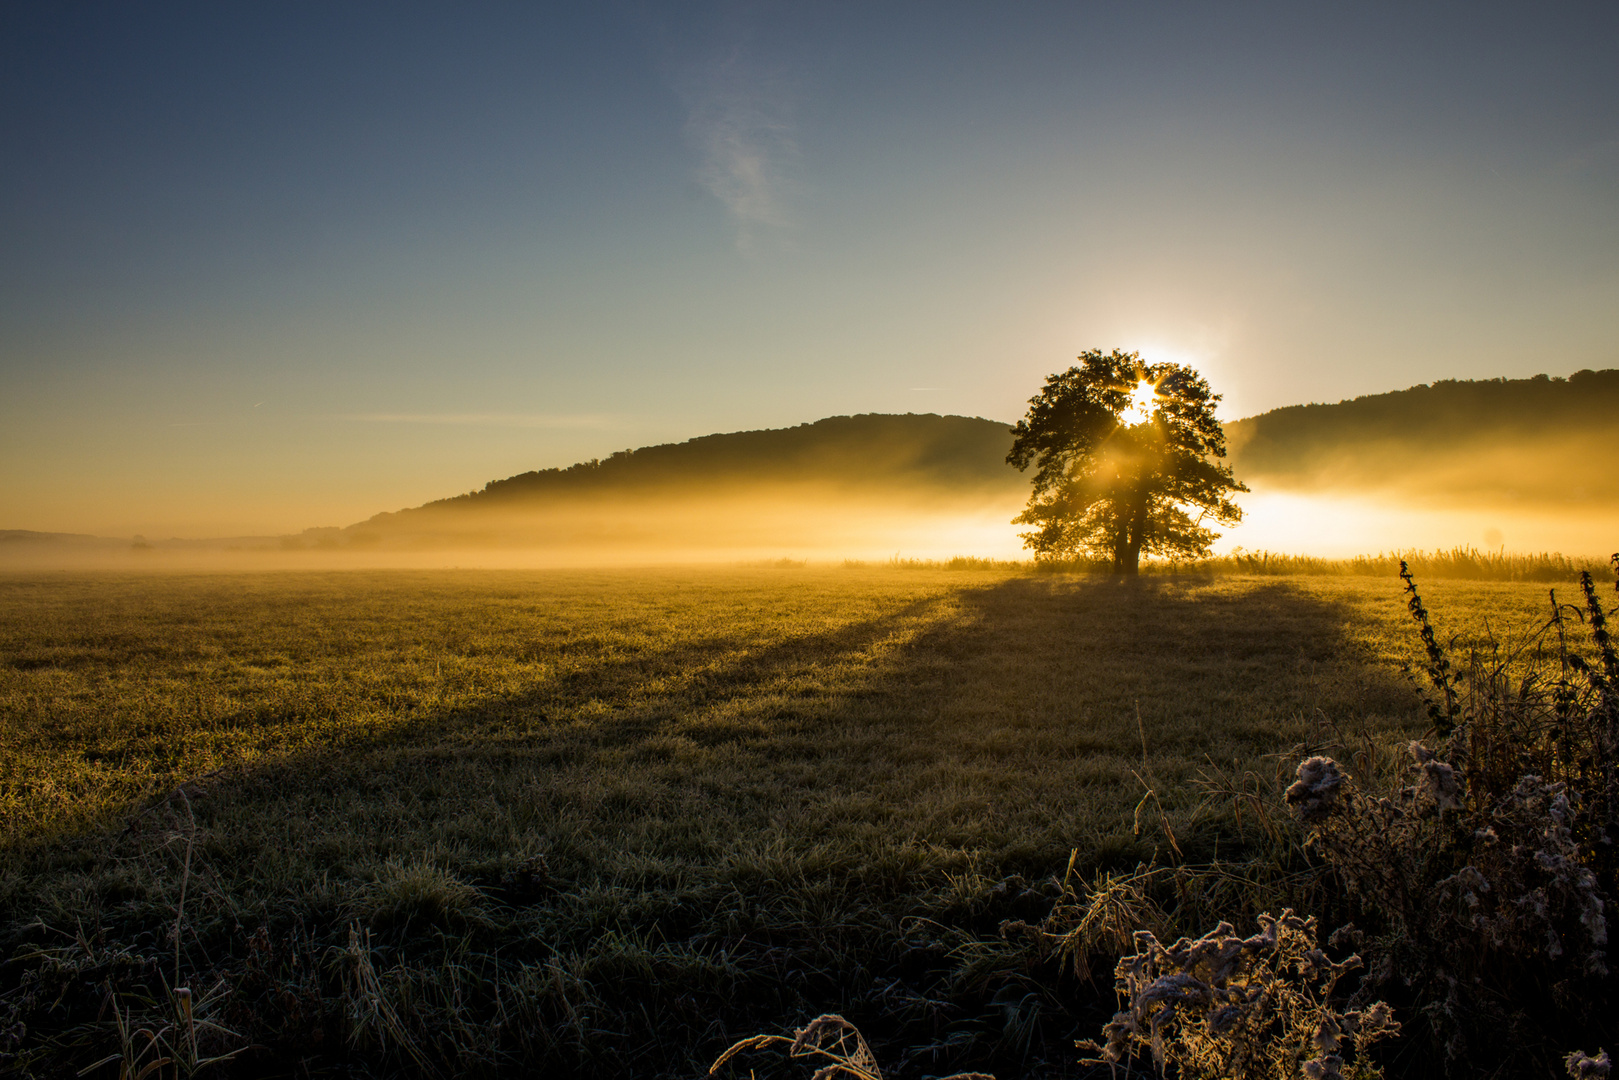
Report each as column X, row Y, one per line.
column 1135, row 532
column 1130, row 564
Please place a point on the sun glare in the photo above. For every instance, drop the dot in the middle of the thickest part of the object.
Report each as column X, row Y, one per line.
column 1141, row 404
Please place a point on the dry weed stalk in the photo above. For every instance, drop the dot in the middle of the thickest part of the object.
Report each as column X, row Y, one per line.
column 832, row 1039
column 180, row 1035
column 175, row 1039
column 370, row 1013
column 1093, row 920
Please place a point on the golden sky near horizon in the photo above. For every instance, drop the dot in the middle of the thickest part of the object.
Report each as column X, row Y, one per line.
column 279, row 268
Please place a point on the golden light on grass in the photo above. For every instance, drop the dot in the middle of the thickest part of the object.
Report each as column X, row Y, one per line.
column 389, row 751
column 1142, row 400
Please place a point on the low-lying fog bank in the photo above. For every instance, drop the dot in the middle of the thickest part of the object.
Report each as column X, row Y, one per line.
column 1334, row 525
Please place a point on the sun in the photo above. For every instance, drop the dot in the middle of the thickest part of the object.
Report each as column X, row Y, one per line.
column 1142, row 401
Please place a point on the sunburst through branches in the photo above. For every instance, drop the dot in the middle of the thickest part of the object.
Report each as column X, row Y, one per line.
column 1143, row 400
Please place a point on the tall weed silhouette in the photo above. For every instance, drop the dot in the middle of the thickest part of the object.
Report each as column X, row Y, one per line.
column 1483, row 884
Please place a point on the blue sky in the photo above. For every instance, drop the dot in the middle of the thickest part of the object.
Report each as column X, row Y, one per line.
column 270, row 266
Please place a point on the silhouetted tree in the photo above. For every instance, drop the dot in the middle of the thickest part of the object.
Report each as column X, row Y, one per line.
column 1124, row 454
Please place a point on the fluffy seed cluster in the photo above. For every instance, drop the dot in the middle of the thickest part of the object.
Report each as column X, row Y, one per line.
column 1585, row 1067
column 1239, row 1007
column 1437, row 789
column 1318, row 791
column 1470, row 883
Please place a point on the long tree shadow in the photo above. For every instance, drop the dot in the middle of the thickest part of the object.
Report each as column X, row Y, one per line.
column 1018, row 720
column 1054, row 705
column 793, row 806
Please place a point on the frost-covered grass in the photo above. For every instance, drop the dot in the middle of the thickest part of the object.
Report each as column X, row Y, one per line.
column 610, row 821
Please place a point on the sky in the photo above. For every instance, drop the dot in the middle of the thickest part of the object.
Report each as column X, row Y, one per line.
column 272, row 266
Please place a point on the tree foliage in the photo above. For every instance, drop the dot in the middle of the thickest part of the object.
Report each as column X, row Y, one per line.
column 1124, row 454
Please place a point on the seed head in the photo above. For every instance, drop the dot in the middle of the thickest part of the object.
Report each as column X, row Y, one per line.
column 1583, row 1066
column 1317, row 792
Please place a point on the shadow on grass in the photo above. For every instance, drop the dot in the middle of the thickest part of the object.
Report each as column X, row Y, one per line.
column 1209, row 665
column 739, row 835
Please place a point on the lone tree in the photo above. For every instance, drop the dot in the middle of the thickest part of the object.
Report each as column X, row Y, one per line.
column 1124, row 453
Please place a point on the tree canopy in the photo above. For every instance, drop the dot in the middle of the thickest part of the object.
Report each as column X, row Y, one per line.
column 1124, row 454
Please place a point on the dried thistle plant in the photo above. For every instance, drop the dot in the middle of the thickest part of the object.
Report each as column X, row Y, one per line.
column 1469, row 894
column 1582, row 1066
column 1227, row 1007
column 1486, row 879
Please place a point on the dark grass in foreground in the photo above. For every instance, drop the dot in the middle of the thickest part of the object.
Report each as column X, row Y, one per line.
column 610, row 822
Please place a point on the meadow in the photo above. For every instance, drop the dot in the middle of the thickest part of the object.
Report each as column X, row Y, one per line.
column 606, row 822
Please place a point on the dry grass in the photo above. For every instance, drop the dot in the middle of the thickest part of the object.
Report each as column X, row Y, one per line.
column 1462, row 563
column 611, row 821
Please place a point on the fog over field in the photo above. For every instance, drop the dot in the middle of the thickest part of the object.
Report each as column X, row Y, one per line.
column 1519, row 465
column 1522, row 463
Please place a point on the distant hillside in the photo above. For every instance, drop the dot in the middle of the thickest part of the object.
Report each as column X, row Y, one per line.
column 1442, row 414
column 830, row 482
column 18, row 538
column 1513, row 440
column 872, row 450
column 865, row 453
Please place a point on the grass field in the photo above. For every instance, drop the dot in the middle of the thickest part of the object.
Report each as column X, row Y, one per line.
column 606, row 822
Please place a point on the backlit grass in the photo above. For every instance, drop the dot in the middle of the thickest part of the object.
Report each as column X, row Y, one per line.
column 612, row 820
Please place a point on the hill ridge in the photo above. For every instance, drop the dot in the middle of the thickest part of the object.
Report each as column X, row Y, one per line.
column 863, row 450
column 852, row 451
column 1448, row 416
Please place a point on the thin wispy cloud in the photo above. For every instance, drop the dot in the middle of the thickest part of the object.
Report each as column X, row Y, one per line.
column 517, row 420
column 739, row 120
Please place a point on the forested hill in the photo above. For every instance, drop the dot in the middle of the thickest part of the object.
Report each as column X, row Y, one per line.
column 870, row 451
column 1536, row 422
column 1503, row 437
